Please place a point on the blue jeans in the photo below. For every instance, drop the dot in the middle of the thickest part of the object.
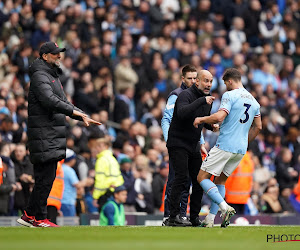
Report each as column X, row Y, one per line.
column 89, row 203
column 68, row 210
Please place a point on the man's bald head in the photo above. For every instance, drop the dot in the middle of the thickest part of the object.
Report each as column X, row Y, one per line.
column 205, row 73
column 205, row 81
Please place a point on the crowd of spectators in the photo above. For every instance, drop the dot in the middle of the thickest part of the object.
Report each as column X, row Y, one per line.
column 124, row 57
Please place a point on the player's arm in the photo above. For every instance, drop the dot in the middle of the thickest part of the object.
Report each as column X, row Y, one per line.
column 212, row 119
column 168, row 114
column 202, row 145
column 202, row 141
column 256, row 127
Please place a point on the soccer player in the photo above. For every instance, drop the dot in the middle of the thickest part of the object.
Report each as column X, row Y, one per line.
column 240, row 113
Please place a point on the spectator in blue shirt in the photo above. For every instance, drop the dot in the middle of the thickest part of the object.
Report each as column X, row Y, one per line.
column 72, row 185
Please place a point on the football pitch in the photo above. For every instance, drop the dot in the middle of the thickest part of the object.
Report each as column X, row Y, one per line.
column 142, row 238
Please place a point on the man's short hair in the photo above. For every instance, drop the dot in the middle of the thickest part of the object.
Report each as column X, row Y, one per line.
column 7, row 119
column 232, row 74
column 105, row 141
column 188, row 68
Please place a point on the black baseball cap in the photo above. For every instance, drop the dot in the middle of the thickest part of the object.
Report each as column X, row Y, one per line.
column 51, row 47
column 120, row 188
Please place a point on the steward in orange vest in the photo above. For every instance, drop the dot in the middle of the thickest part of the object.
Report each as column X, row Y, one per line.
column 56, row 194
column 296, row 190
column 295, row 196
column 239, row 184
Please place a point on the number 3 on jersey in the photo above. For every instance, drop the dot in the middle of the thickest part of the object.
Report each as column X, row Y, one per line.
column 246, row 113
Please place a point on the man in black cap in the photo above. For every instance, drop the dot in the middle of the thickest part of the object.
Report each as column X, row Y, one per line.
column 47, row 110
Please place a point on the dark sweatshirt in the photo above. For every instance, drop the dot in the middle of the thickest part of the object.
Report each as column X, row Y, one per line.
column 191, row 103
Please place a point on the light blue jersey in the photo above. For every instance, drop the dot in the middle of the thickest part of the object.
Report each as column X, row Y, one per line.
column 167, row 116
column 70, row 179
column 241, row 108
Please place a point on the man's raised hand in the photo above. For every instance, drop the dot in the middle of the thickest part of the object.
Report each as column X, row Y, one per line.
column 209, row 99
column 86, row 119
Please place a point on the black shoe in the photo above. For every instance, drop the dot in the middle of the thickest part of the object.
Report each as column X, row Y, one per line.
column 178, row 221
column 165, row 222
column 196, row 222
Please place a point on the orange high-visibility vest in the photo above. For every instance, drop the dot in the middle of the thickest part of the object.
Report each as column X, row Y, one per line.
column 162, row 207
column 56, row 193
column 296, row 190
column 239, row 184
column 1, row 172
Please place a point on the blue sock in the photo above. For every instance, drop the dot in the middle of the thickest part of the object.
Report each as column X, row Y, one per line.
column 211, row 190
column 214, row 207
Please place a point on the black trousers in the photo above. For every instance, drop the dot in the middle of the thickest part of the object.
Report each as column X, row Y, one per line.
column 44, row 175
column 239, row 208
column 184, row 195
column 186, row 165
column 52, row 213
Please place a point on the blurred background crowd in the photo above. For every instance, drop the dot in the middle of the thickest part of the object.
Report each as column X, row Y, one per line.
column 124, row 57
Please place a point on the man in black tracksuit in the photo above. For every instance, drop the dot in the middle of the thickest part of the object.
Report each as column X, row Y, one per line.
column 182, row 142
column 47, row 110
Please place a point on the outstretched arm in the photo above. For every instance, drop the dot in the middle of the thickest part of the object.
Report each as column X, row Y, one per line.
column 212, row 119
column 87, row 121
column 186, row 109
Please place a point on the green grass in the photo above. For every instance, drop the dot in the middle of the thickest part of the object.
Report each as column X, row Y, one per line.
column 142, row 238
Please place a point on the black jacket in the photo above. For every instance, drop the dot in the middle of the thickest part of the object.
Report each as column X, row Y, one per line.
column 191, row 103
column 47, row 110
column 121, row 109
column 284, row 179
column 5, row 189
column 22, row 167
column 158, row 185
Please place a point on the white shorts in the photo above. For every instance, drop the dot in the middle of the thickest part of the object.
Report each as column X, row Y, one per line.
column 218, row 161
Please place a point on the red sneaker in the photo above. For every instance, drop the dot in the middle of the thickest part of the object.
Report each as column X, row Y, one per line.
column 43, row 223
column 26, row 220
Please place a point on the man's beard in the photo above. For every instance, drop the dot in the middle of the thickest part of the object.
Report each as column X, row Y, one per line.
column 55, row 64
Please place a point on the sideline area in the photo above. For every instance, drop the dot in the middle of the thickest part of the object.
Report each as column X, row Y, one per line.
column 142, row 219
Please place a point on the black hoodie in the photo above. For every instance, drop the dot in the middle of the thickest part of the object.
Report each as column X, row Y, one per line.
column 191, row 103
column 47, row 108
